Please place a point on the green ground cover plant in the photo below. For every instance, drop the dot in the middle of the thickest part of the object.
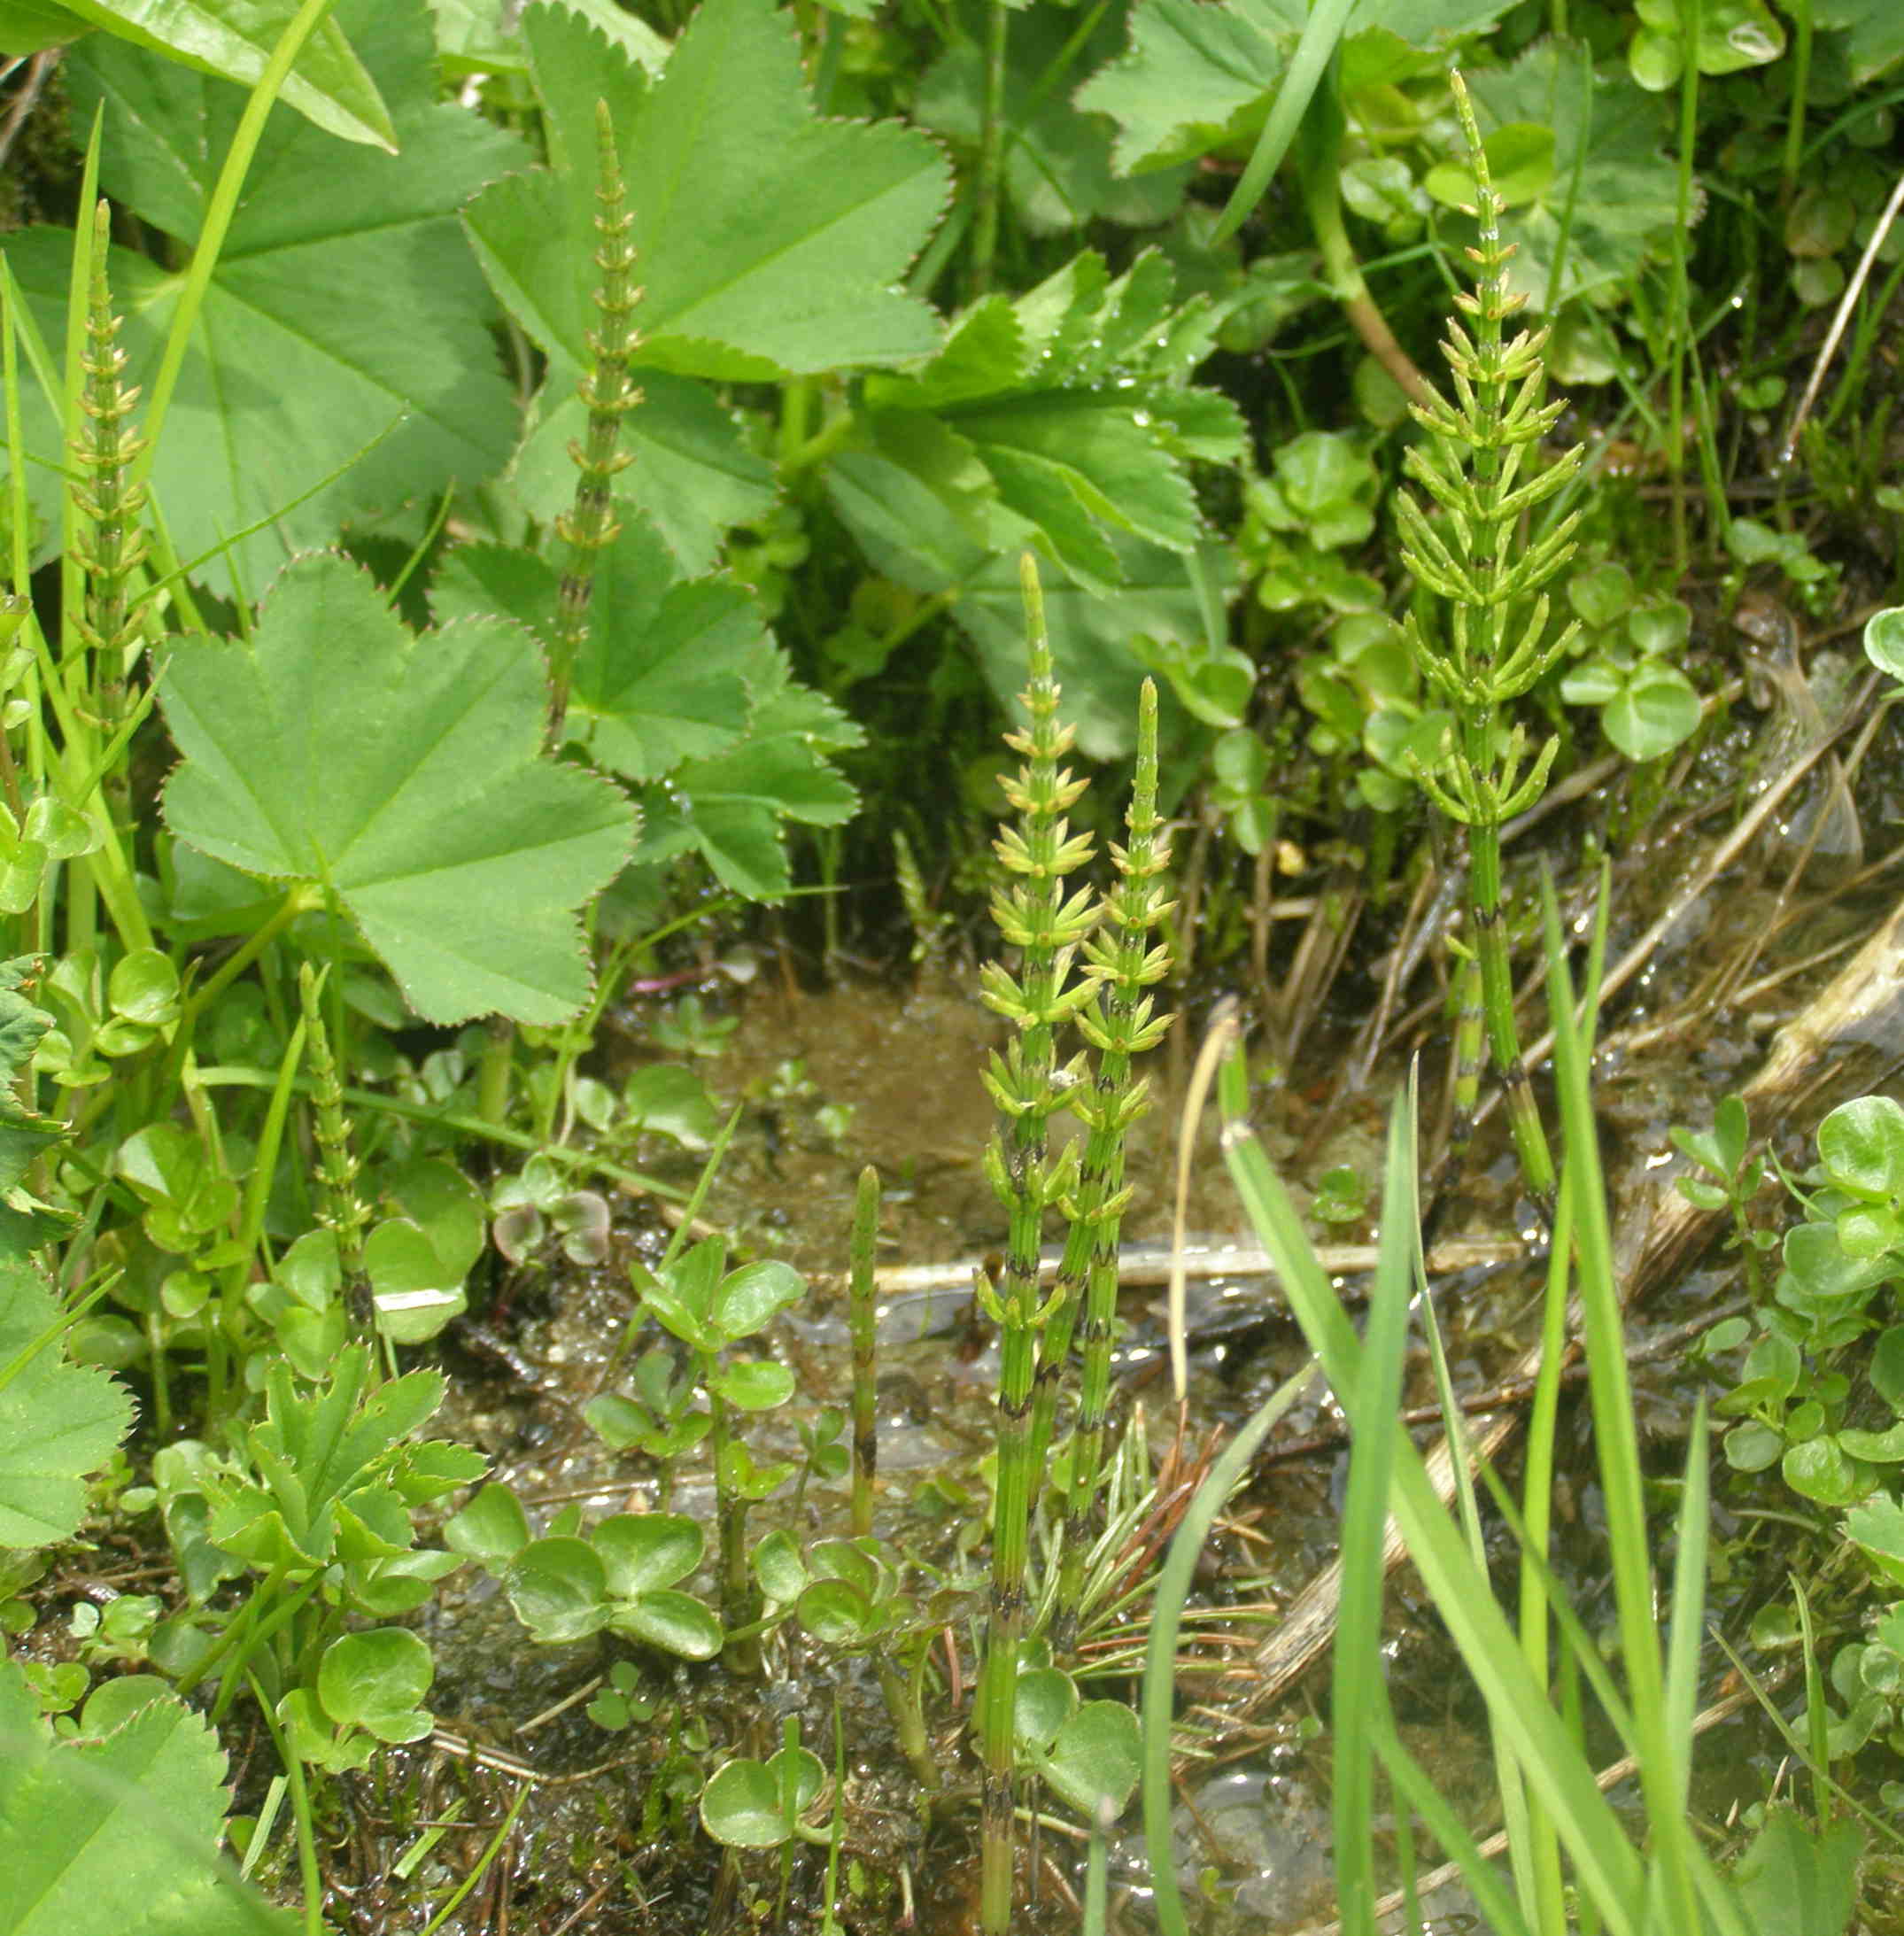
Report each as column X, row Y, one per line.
column 498, row 509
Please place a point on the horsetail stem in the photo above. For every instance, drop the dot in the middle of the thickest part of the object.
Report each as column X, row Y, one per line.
column 1475, row 450
column 590, row 525
column 341, row 1210
column 109, row 500
column 1470, row 1051
column 861, row 1290
column 1120, row 963
column 1033, row 916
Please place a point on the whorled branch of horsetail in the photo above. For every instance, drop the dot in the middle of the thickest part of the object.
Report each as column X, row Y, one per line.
column 109, row 500
column 1470, row 464
column 1095, row 1208
column 589, row 525
column 1119, row 1024
column 343, row 1212
column 1033, row 916
column 863, row 1306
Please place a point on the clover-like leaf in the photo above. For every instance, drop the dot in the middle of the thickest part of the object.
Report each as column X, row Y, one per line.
column 377, row 1681
column 334, row 752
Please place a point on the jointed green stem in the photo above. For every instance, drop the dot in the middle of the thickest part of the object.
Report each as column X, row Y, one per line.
column 1495, row 648
column 865, row 1430
column 1033, row 916
column 590, row 525
column 1117, row 1025
column 343, row 1213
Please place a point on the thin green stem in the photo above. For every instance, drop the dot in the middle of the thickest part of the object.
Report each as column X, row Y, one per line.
column 865, row 1346
column 985, row 188
column 740, row 1603
column 1120, row 1025
column 1033, row 916
column 1689, row 110
column 1801, row 26
column 1471, row 469
column 590, row 525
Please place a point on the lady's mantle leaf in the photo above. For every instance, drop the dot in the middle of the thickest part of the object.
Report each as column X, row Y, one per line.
column 346, row 328
column 235, row 38
column 681, row 690
column 118, row 1829
column 58, row 1422
column 335, row 750
column 767, row 240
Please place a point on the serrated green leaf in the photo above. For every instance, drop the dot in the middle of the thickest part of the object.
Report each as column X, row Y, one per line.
column 58, row 1422
column 664, row 675
column 1194, row 78
column 233, row 39
column 1058, row 169
column 118, row 1828
column 478, row 36
column 334, row 750
column 1798, row 1879
column 345, row 331
column 1084, row 432
column 768, row 241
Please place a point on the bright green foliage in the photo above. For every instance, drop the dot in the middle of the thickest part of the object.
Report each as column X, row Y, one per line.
column 1629, row 663
column 231, row 39
column 1070, row 402
column 621, row 1576
column 1089, row 1753
column 1064, row 420
column 370, row 1687
column 766, row 239
column 1883, row 640
column 334, row 321
column 60, row 1422
column 1732, row 34
column 1874, row 32
column 681, row 690
column 1481, row 469
column 117, row 1827
column 334, row 752
column 476, row 38
column 327, row 1480
column 24, row 1134
column 1801, row 1878
column 1200, row 77
column 766, row 242
column 750, row 1804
